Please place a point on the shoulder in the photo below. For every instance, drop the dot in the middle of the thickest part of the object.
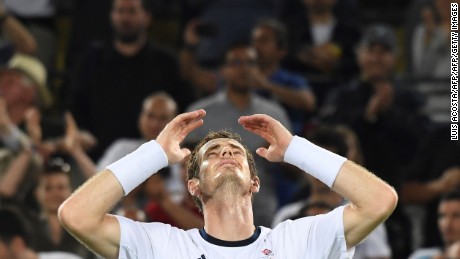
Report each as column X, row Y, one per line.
column 267, row 106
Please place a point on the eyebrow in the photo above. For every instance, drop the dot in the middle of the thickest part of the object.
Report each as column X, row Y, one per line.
column 216, row 146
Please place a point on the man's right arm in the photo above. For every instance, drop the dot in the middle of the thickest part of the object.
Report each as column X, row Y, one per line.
column 85, row 216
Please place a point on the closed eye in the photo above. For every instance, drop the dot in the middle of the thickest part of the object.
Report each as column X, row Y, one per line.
column 212, row 154
column 237, row 152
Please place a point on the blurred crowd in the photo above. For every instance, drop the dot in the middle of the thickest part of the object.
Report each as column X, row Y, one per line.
column 83, row 83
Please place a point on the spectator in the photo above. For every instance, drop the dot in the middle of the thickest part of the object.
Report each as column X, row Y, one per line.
column 386, row 118
column 431, row 41
column 430, row 58
column 270, row 80
column 112, row 80
column 38, row 16
column 228, row 21
column 448, row 225
column 321, row 46
column 53, row 189
column 434, row 172
column 16, row 240
column 237, row 99
column 15, row 37
column 384, row 115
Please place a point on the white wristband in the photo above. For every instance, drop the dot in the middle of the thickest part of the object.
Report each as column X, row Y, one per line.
column 318, row 162
column 136, row 167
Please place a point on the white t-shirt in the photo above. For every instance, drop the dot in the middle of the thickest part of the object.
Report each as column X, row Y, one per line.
column 318, row 237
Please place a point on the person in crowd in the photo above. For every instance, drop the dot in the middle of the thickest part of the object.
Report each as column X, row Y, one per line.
column 270, row 80
column 53, row 189
column 112, row 80
column 235, row 100
column 448, row 225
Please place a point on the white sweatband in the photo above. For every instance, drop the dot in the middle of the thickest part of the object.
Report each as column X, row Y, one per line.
column 318, row 162
column 136, row 167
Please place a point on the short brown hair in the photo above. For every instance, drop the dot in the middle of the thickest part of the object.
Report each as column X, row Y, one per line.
column 193, row 164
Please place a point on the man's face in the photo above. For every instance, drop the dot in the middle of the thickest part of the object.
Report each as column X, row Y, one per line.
column 16, row 88
column 238, row 65
column 266, row 46
column 449, row 221
column 156, row 113
column 376, row 62
column 129, row 20
column 224, row 165
column 53, row 190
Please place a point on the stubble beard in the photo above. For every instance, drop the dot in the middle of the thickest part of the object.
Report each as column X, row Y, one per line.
column 225, row 187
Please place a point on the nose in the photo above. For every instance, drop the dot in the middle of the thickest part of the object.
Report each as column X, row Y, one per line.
column 226, row 152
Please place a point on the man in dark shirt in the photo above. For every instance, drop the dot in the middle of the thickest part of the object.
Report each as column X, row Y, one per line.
column 113, row 79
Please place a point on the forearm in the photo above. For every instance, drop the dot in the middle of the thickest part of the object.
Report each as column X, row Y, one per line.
column 364, row 190
column 15, row 174
column 84, row 162
column 417, row 192
column 23, row 40
column 204, row 80
column 84, row 214
column 303, row 99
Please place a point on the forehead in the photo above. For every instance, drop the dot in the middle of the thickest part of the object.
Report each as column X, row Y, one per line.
column 158, row 105
column 219, row 141
column 450, row 205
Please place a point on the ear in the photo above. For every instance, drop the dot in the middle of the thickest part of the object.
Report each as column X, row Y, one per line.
column 194, row 187
column 255, row 184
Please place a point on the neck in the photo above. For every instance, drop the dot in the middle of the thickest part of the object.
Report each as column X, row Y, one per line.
column 319, row 18
column 239, row 98
column 229, row 217
column 130, row 49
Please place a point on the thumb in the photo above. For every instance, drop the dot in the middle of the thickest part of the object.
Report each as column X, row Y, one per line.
column 262, row 152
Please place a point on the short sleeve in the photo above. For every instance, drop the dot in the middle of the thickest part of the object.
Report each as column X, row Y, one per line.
column 319, row 236
column 142, row 240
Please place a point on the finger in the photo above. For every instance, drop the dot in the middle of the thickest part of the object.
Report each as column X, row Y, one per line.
column 254, row 119
column 189, row 116
column 262, row 152
column 263, row 133
column 192, row 126
column 70, row 121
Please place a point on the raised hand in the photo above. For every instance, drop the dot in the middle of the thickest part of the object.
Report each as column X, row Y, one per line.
column 175, row 132
column 34, row 130
column 272, row 131
column 71, row 142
